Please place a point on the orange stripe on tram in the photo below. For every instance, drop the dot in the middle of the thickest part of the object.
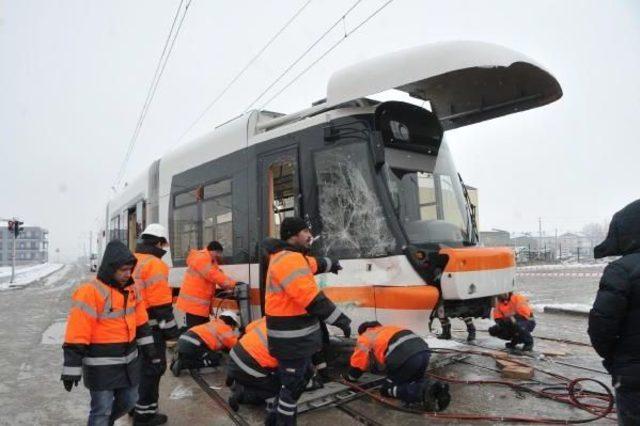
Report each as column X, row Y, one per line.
column 422, row 297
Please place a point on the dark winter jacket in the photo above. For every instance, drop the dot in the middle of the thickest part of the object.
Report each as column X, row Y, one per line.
column 614, row 321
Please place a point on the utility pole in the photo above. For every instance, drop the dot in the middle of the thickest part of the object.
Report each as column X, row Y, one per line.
column 90, row 243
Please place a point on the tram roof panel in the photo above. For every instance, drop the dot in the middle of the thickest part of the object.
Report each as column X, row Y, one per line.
column 466, row 82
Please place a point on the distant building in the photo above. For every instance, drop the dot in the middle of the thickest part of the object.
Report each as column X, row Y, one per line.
column 495, row 238
column 32, row 246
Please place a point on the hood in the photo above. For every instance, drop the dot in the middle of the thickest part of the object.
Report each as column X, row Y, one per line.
column 116, row 254
column 143, row 248
column 273, row 245
column 624, row 233
column 194, row 255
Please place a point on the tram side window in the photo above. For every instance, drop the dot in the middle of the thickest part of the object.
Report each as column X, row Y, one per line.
column 114, row 231
column 352, row 217
column 217, row 215
column 282, row 194
column 185, row 226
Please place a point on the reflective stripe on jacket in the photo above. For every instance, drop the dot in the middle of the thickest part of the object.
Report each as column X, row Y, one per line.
column 151, row 277
column 390, row 346
column 294, row 305
column 199, row 283
column 517, row 304
column 104, row 328
column 216, row 335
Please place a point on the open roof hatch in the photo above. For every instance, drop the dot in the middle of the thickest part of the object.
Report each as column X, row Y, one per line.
column 466, row 82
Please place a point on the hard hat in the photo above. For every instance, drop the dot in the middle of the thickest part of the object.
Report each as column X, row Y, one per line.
column 232, row 315
column 156, row 230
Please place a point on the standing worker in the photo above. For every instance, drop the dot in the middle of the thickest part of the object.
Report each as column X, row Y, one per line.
column 404, row 357
column 200, row 280
column 201, row 346
column 151, row 276
column 614, row 321
column 106, row 325
column 294, row 307
column 514, row 321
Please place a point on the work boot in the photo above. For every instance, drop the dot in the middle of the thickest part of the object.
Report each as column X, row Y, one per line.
column 236, row 397
column 527, row 347
column 314, row 383
column 446, row 333
column 442, row 395
column 176, row 367
column 471, row 333
column 149, row 419
column 429, row 399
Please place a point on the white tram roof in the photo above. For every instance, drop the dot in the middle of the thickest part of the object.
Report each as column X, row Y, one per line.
column 465, row 82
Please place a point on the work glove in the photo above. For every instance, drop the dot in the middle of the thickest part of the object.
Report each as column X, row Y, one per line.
column 69, row 381
column 344, row 323
column 335, row 266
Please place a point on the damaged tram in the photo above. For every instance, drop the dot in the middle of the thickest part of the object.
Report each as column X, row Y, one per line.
column 375, row 180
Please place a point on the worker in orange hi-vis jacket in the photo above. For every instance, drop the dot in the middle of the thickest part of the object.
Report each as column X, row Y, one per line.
column 201, row 278
column 404, row 356
column 107, row 324
column 202, row 346
column 294, row 308
column 151, row 277
column 514, row 320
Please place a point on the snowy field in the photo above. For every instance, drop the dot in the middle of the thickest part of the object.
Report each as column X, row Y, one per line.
column 27, row 275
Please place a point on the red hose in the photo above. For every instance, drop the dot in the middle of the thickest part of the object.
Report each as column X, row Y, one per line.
column 572, row 394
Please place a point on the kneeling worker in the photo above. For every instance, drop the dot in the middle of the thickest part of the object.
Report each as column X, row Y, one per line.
column 514, row 321
column 405, row 357
column 201, row 346
column 252, row 371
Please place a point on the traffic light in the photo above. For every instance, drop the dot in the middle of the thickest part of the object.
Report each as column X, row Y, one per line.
column 10, row 225
column 17, row 228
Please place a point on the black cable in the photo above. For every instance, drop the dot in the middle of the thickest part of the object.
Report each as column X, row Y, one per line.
column 245, row 68
column 333, row 46
column 294, row 63
column 162, row 63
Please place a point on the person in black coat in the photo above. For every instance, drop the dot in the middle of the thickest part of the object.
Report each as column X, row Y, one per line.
column 614, row 321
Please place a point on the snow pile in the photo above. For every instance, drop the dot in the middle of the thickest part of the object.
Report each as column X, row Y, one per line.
column 571, row 307
column 562, row 266
column 28, row 275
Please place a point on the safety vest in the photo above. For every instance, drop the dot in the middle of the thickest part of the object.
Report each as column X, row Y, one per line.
column 251, row 355
column 199, row 283
column 216, row 335
column 104, row 328
column 151, row 277
column 390, row 346
column 517, row 304
column 290, row 288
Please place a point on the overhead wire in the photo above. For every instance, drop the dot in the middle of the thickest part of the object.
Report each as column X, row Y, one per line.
column 155, row 81
column 301, row 56
column 326, row 52
column 244, row 69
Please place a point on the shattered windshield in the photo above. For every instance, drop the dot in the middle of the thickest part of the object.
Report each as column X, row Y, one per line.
column 427, row 196
column 353, row 220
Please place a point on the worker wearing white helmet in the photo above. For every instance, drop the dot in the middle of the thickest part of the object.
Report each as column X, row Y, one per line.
column 151, row 276
column 202, row 345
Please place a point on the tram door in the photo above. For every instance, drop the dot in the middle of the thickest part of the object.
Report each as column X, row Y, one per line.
column 280, row 197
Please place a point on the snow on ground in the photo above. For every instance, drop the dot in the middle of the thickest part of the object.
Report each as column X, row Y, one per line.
column 27, row 275
column 54, row 334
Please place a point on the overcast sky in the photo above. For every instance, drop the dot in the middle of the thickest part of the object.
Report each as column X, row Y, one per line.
column 74, row 75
